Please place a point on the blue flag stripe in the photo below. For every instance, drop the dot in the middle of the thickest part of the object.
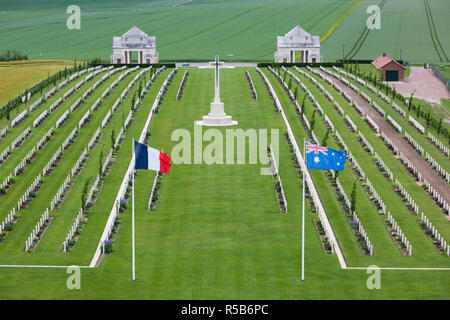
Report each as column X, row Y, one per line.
column 140, row 156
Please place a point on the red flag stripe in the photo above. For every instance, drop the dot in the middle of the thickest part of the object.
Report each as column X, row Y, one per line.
column 164, row 157
column 164, row 162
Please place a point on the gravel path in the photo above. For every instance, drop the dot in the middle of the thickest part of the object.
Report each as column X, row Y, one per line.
column 425, row 169
column 425, row 84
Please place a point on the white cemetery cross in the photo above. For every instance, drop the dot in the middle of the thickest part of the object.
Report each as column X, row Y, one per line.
column 217, row 115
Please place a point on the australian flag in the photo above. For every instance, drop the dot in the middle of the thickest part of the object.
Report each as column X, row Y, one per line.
column 318, row 157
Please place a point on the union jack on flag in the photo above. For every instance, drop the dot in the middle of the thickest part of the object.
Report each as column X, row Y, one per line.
column 318, row 157
column 315, row 148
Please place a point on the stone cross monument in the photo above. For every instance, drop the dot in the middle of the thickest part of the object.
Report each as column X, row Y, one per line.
column 217, row 115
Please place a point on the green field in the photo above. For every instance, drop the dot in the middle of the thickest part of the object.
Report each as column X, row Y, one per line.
column 192, row 31
column 246, row 31
column 404, row 32
column 217, row 232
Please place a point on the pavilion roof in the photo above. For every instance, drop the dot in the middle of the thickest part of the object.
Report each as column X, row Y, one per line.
column 383, row 60
column 298, row 38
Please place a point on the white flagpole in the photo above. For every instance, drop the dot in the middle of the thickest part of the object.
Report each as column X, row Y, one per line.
column 303, row 217
column 132, row 223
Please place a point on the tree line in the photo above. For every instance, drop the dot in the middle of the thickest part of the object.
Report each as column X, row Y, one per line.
column 41, row 86
column 13, row 55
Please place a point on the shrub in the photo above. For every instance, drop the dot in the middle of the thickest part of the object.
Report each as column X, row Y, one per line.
column 9, row 226
column 108, row 246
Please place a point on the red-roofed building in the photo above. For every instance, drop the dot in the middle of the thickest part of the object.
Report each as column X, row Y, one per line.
column 391, row 69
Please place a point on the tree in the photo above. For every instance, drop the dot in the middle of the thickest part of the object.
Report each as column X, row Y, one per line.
column 418, row 111
column 133, row 101
column 113, row 138
column 353, row 198
column 140, row 88
column 7, row 113
column 84, row 195
column 410, row 100
column 325, row 138
column 394, row 92
column 302, row 110
column 100, row 162
column 439, row 126
column 313, row 120
column 12, row 55
column 296, row 92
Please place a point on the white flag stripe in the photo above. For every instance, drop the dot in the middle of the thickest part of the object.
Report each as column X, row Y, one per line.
column 153, row 159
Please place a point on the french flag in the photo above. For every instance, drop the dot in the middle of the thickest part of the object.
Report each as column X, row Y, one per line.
column 150, row 159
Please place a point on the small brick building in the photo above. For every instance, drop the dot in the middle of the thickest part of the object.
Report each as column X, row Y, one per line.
column 391, row 69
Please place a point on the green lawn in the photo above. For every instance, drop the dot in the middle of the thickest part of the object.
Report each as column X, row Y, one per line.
column 444, row 70
column 217, row 232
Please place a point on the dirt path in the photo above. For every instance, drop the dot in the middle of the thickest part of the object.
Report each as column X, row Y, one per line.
column 425, row 84
column 425, row 169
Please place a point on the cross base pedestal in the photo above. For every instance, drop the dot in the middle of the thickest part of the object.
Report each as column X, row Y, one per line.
column 217, row 117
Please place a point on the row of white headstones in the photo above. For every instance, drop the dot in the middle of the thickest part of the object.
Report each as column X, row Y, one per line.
column 361, row 229
column 32, row 187
column 436, row 166
column 368, row 183
column 123, row 187
column 36, row 123
column 403, row 190
column 60, row 191
column 418, row 147
column 98, row 131
column 79, row 163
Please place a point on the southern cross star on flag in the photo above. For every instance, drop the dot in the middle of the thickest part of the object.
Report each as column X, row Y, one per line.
column 150, row 159
column 318, row 157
